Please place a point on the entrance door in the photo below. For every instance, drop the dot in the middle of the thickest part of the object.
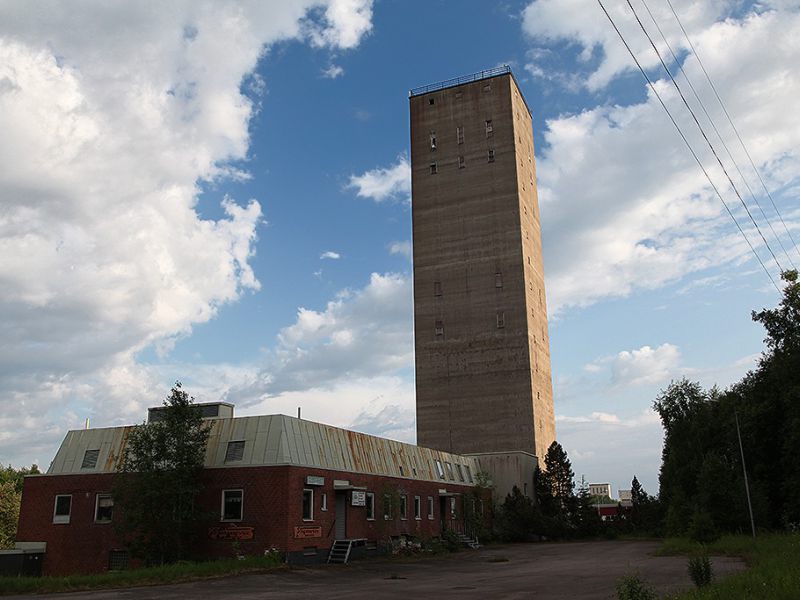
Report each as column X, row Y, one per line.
column 341, row 515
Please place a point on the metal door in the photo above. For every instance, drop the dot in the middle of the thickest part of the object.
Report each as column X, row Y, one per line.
column 341, row 515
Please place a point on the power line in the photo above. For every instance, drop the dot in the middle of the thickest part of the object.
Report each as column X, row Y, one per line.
column 703, row 133
column 736, row 131
column 716, row 131
column 688, row 145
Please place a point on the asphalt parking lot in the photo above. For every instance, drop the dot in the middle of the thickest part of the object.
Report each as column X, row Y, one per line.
column 580, row 570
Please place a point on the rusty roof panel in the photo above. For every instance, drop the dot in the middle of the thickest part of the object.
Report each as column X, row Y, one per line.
column 275, row 440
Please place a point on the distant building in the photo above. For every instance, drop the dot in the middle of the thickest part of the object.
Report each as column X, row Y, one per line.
column 625, row 498
column 603, row 490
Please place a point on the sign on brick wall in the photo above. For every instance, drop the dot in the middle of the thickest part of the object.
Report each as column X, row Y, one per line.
column 307, row 532
column 358, row 498
column 232, row 532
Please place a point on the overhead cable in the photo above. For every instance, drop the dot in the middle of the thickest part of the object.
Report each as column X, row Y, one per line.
column 735, row 130
column 703, row 133
column 686, row 141
column 719, row 135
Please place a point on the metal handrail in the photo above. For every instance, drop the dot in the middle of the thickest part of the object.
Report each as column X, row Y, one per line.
column 485, row 74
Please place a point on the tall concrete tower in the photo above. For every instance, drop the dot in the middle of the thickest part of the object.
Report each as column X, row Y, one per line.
column 480, row 317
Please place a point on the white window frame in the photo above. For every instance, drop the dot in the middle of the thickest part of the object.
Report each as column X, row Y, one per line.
column 222, row 506
column 370, row 506
column 453, row 513
column 63, row 519
column 489, row 127
column 449, row 468
column 430, row 508
column 97, row 506
column 460, row 135
column 310, row 504
column 462, row 162
column 417, row 508
column 323, row 504
column 439, row 468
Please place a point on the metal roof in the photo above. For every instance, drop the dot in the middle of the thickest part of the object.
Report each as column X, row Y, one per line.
column 278, row 440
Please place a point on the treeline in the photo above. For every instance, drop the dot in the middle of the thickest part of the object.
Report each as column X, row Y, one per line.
column 702, row 483
column 10, row 497
column 702, row 479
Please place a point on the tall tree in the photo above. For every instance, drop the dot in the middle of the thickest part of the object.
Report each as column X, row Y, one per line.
column 158, row 480
column 558, row 469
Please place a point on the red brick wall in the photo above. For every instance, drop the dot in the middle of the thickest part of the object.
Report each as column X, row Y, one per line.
column 80, row 546
column 272, row 508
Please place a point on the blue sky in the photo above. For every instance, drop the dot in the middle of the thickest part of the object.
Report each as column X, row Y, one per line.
column 220, row 194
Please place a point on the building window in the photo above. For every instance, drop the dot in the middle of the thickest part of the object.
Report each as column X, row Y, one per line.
column 437, row 288
column 414, row 470
column 308, row 505
column 433, row 140
column 235, row 451
column 62, row 509
column 323, row 505
column 459, row 95
column 453, row 514
column 461, row 162
column 439, row 469
column 449, row 468
column 387, row 507
column 498, row 280
column 469, row 473
column 438, row 329
column 489, row 128
column 430, row 101
column 501, row 319
column 232, row 501
column 103, row 508
column 430, row 507
column 434, row 168
column 459, row 472
column 487, row 87
column 460, row 135
column 403, row 507
column 402, row 473
column 118, row 560
column 370, row 506
column 417, row 508
column 90, row 459
column 490, row 156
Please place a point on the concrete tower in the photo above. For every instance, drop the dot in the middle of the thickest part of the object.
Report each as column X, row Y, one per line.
column 480, row 318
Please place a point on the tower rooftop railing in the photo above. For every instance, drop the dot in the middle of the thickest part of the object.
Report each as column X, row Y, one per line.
column 485, row 74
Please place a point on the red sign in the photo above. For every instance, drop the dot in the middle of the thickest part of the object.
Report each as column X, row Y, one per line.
column 232, row 532
column 307, row 532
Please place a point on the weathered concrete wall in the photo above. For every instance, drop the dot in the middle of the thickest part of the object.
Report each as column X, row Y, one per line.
column 509, row 469
column 480, row 321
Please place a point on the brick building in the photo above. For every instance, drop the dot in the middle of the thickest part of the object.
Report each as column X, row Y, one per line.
column 271, row 482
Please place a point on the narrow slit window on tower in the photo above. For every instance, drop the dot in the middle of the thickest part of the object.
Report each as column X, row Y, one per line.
column 460, row 135
column 489, row 128
column 430, row 101
column 487, row 87
column 439, row 329
column 498, row 280
column 434, row 168
column 461, row 162
column 490, row 155
column 433, row 140
column 437, row 288
column 501, row 319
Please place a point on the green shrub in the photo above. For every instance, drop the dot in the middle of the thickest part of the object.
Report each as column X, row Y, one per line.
column 631, row 587
column 700, row 570
column 702, row 528
column 451, row 540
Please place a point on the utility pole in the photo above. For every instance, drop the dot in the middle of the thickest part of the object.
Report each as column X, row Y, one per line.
column 744, row 470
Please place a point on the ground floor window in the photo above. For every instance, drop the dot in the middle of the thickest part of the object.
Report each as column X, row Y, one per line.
column 452, row 507
column 403, row 506
column 430, row 507
column 308, row 505
column 417, row 508
column 324, row 501
column 104, row 508
column 118, row 560
column 232, row 505
column 62, row 509
column 387, row 506
column 370, row 506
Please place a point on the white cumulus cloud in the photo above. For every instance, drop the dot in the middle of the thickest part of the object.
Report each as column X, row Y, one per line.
column 330, row 254
column 385, row 183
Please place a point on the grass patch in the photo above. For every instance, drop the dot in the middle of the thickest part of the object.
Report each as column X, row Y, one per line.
column 179, row 572
column 772, row 559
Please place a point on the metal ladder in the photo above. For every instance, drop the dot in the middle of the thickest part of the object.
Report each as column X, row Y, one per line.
column 340, row 551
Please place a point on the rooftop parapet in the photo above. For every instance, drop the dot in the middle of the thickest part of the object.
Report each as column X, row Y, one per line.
column 456, row 81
